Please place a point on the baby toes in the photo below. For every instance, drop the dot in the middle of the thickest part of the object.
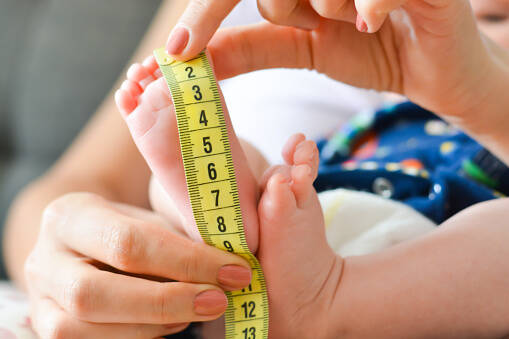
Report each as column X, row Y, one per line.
column 152, row 67
column 154, row 109
column 126, row 102
column 290, row 146
column 302, row 184
column 141, row 75
column 278, row 201
column 306, row 152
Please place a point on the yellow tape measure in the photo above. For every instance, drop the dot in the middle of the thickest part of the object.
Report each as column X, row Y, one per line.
column 212, row 185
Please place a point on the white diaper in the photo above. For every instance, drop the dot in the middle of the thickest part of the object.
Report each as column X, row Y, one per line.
column 359, row 223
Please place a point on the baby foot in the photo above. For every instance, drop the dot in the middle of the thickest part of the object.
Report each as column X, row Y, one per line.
column 301, row 270
column 145, row 103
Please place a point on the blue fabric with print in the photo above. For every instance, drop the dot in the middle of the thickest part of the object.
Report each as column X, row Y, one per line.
column 406, row 153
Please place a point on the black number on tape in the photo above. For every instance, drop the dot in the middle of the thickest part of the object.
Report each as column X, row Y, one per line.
column 221, row 225
column 203, row 118
column 249, row 333
column 189, row 71
column 249, row 308
column 216, row 192
column 212, row 171
column 249, row 288
column 198, row 96
column 207, row 146
column 228, row 246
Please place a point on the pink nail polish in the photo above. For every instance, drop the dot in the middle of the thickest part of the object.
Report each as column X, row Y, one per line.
column 234, row 276
column 177, row 41
column 361, row 24
column 210, row 302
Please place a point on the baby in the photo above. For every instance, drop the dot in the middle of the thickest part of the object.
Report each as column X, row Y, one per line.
column 310, row 287
column 289, row 211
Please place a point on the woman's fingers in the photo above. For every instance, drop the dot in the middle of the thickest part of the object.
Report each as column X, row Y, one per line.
column 297, row 13
column 243, row 49
column 196, row 26
column 140, row 247
column 50, row 321
column 306, row 13
column 202, row 18
column 375, row 12
column 335, row 9
column 93, row 295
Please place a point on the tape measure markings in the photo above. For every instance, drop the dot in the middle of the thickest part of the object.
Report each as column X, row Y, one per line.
column 209, row 170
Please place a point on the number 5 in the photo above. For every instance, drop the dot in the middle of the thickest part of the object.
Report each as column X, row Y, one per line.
column 207, row 146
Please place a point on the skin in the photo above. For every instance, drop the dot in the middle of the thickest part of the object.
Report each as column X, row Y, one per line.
column 493, row 19
column 52, row 197
column 307, row 300
column 60, row 271
column 409, row 60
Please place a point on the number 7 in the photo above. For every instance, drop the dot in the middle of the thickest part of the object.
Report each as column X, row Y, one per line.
column 216, row 192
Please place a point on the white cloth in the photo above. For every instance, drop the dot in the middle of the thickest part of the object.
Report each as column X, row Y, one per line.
column 359, row 223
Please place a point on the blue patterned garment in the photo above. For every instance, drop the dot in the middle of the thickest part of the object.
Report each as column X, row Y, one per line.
column 406, row 153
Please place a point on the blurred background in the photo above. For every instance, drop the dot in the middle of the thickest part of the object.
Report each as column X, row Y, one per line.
column 56, row 66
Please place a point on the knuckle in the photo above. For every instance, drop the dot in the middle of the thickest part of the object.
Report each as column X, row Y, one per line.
column 190, row 263
column 162, row 306
column 125, row 247
column 56, row 211
column 78, row 297
column 327, row 8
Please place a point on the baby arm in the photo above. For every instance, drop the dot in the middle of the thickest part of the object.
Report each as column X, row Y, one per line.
column 451, row 283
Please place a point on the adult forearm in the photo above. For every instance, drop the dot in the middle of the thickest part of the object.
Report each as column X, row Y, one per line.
column 451, row 283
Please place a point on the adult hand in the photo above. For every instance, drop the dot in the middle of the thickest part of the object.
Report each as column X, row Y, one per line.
column 202, row 18
column 107, row 270
column 428, row 50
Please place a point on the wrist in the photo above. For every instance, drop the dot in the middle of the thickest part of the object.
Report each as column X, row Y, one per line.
column 485, row 118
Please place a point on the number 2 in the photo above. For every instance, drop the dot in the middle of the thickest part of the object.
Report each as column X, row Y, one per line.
column 189, row 71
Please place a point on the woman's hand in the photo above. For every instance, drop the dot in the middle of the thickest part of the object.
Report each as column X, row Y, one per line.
column 106, row 270
column 429, row 50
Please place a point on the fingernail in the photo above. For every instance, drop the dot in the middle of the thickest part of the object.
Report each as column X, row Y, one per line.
column 178, row 40
column 234, row 276
column 361, row 24
column 210, row 302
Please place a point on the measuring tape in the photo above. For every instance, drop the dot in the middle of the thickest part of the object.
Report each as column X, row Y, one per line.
column 212, row 186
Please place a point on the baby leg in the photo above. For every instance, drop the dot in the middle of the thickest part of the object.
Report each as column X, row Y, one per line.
column 301, row 270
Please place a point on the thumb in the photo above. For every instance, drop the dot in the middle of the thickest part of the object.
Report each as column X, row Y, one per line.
column 243, row 49
column 196, row 27
column 374, row 12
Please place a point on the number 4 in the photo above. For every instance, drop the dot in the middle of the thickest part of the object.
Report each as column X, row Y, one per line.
column 203, row 118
